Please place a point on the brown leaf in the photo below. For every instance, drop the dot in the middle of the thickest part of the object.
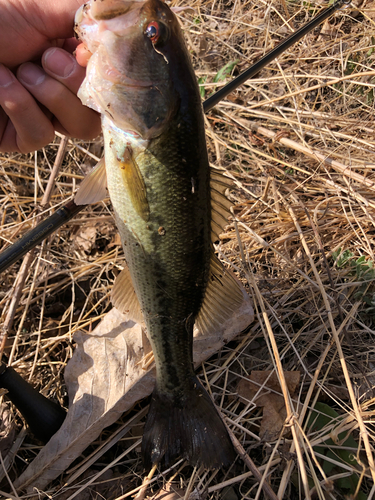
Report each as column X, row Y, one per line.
column 85, row 238
column 274, row 411
column 7, row 429
column 115, row 241
column 328, row 30
column 105, row 378
column 104, row 368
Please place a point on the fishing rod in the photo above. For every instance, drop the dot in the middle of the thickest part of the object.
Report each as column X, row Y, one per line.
column 65, row 213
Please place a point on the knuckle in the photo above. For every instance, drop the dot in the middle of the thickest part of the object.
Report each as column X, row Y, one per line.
column 7, row 148
column 38, row 140
column 16, row 107
column 53, row 95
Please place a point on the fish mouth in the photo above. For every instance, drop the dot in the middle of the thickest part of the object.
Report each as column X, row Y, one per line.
column 80, row 15
column 105, row 12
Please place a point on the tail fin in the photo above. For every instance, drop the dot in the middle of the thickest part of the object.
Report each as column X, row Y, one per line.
column 188, row 427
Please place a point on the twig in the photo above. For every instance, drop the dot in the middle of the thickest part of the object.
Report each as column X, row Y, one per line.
column 312, row 153
column 250, row 464
column 7, row 476
column 142, row 492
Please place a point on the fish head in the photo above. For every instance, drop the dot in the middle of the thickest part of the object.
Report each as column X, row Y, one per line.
column 132, row 77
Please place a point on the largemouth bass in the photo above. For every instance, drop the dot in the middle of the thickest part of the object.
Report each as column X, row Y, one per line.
column 169, row 207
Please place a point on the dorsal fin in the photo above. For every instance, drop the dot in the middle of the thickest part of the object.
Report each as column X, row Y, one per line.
column 220, row 204
column 223, row 295
column 124, row 298
column 93, row 188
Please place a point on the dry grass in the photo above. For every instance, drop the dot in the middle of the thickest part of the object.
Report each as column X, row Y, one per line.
column 299, row 142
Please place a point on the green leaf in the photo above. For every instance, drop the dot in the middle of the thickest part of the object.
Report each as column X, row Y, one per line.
column 343, row 258
column 322, row 416
column 336, row 254
column 201, row 82
column 225, row 71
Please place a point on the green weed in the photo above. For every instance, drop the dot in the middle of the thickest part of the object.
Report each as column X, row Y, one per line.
column 363, row 271
column 225, row 71
column 201, row 82
column 322, row 416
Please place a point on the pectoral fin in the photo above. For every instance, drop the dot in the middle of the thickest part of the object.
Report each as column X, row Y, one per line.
column 93, row 188
column 222, row 297
column 134, row 184
column 124, row 298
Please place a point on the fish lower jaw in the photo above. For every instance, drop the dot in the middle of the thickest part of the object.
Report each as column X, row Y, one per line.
column 126, row 134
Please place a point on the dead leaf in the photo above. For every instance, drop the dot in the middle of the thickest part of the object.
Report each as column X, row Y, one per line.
column 7, row 429
column 329, row 30
column 104, row 379
column 115, row 241
column 264, row 389
column 229, row 493
column 85, row 238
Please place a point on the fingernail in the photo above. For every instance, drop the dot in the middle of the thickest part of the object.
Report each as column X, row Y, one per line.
column 6, row 76
column 30, row 74
column 59, row 62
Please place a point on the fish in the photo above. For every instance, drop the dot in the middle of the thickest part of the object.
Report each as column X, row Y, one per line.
column 169, row 206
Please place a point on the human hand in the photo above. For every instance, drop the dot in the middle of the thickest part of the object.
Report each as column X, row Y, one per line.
column 40, row 98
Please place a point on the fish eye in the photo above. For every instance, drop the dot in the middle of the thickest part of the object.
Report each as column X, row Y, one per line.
column 156, row 32
column 153, row 31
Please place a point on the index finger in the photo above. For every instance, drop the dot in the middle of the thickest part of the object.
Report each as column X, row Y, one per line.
column 83, row 55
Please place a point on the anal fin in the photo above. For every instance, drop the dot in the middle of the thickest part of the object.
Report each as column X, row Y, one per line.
column 222, row 297
column 93, row 188
column 124, row 298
